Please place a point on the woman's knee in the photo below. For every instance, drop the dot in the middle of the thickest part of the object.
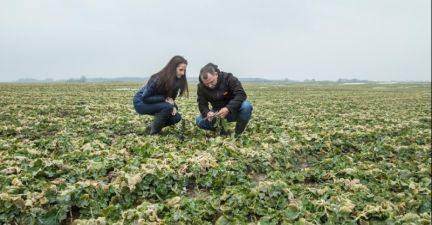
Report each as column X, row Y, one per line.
column 139, row 108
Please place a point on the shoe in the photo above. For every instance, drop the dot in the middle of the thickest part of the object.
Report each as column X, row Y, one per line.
column 224, row 132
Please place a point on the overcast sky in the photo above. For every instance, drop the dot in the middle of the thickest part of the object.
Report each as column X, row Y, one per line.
column 323, row 40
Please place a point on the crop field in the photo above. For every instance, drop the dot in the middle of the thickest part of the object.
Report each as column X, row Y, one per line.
column 311, row 154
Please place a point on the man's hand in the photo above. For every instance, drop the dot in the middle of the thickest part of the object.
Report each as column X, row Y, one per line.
column 174, row 111
column 222, row 113
column 210, row 116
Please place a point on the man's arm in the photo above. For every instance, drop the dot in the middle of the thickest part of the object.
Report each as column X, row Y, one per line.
column 237, row 90
column 202, row 102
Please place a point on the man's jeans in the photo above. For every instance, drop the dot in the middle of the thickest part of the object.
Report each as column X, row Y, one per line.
column 243, row 115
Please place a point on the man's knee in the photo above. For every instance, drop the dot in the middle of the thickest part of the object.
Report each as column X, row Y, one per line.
column 198, row 120
column 245, row 111
column 246, row 106
column 201, row 122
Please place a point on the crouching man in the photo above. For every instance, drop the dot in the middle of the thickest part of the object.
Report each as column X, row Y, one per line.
column 226, row 96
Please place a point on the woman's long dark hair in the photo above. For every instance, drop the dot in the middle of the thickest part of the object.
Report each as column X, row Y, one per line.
column 167, row 76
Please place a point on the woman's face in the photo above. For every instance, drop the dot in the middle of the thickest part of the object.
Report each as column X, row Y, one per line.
column 181, row 70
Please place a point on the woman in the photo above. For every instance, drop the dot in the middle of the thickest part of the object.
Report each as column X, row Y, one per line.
column 158, row 96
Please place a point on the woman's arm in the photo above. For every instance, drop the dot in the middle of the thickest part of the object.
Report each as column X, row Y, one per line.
column 148, row 91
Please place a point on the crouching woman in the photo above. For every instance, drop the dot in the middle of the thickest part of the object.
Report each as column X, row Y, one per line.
column 157, row 97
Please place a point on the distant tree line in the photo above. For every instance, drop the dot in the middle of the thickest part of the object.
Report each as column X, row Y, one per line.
column 82, row 79
column 342, row 80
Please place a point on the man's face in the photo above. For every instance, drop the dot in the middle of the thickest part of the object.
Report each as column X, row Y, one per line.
column 211, row 80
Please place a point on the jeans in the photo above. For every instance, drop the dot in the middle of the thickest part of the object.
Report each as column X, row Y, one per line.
column 159, row 107
column 243, row 115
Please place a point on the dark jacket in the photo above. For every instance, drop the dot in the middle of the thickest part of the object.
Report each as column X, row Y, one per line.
column 228, row 92
column 148, row 93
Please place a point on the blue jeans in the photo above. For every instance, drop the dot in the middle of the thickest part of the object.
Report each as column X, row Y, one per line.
column 159, row 107
column 243, row 115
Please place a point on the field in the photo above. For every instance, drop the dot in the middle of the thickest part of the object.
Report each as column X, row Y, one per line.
column 312, row 154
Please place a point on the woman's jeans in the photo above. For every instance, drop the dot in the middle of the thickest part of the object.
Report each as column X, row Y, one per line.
column 242, row 117
column 155, row 108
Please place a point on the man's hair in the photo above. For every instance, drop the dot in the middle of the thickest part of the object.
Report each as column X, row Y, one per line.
column 209, row 68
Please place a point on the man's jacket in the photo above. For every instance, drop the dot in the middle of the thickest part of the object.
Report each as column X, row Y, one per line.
column 228, row 92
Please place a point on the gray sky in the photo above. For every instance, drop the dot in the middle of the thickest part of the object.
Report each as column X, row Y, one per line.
column 325, row 40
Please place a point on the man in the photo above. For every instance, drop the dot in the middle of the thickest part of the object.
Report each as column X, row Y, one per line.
column 226, row 96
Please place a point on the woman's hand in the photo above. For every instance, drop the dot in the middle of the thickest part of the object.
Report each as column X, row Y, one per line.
column 170, row 100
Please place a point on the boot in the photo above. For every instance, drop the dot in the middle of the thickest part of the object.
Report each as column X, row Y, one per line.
column 224, row 132
column 158, row 123
column 171, row 121
column 240, row 127
column 211, row 124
